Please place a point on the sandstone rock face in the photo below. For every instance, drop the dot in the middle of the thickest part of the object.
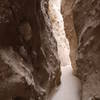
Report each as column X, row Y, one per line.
column 29, row 64
column 59, row 32
column 87, row 26
column 67, row 13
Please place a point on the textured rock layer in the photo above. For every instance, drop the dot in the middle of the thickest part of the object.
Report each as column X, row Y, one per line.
column 87, row 26
column 59, row 32
column 67, row 13
column 29, row 64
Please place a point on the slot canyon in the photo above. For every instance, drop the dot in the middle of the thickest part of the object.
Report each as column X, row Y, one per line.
column 49, row 50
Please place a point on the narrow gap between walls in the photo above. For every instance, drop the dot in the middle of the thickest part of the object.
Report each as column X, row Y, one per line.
column 70, row 85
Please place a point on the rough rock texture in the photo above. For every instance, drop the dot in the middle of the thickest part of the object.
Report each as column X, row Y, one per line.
column 59, row 32
column 87, row 26
column 67, row 13
column 29, row 64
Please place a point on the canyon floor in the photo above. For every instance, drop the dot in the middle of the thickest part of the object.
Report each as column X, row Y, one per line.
column 69, row 88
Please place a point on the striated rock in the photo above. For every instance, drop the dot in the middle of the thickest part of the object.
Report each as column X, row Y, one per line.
column 59, row 32
column 87, row 26
column 29, row 64
column 67, row 13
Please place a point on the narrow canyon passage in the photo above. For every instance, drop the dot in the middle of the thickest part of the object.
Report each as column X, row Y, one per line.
column 49, row 49
column 70, row 85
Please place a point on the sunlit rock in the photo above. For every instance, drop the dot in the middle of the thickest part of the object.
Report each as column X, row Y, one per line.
column 66, row 10
column 59, row 32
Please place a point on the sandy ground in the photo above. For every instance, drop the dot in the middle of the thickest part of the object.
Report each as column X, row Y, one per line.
column 70, row 86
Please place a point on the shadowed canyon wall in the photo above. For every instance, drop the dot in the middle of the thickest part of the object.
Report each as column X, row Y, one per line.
column 66, row 9
column 29, row 63
column 87, row 26
column 82, row 26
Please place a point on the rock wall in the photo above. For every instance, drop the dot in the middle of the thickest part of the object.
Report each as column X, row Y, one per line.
column 87, row 26
column 67, row 13
column 29, row 64
column 59, row 32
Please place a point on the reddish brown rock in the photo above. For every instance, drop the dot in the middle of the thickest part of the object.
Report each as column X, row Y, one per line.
column 29, row 64
column 87, row 26
column 67, row 6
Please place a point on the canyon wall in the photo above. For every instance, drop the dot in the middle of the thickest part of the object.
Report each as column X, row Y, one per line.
column 66, row 9
column 59, row 32
column 29, row 63
column 82, row 27
column 87, row 26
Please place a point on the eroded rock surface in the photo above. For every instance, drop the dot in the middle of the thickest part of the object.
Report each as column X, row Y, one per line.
column 29, row 64
column 66, row 9
column 59, row 32
column 87, row 26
